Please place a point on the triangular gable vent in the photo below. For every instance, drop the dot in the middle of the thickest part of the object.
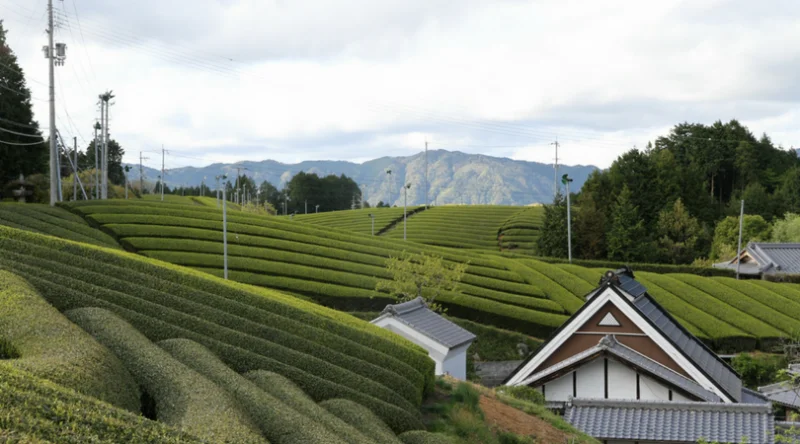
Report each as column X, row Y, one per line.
column 609, row 321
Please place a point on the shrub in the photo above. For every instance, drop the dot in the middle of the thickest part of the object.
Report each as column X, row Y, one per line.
column 37, row 410
column 46, row 224
column 361, row 418
column 523, row 393
column 280, row 423
column 46, row 344
column 184, row 398
column 422, row 437
column 557, row 293
column 288, row 393
column 757, row 370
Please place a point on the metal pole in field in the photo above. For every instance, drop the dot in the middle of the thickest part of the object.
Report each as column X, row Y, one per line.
column 75, row 179
column 217, row 191
column 96, row 166
column 555, row 181
column 427, row 187
column 317, row 209
column 54, row 173
column 162, row 174
column 224, row 228
column 306, row 203
column 566, row 180
column 739, row 251
column 372, row 216
column 405, row 208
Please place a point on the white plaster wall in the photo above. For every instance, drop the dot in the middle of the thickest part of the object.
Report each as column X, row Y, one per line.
column 677, row 397
column 650, row 390
column 591, row 380
column 621, row 381
column 455, row 363
column 559, row 389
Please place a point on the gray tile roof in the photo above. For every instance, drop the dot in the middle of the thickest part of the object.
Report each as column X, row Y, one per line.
column 418, row 316
column 753, row 397
column 672, row 421
column 693, row 348
column 610, row 345
column 768, row 258
column 782, row 393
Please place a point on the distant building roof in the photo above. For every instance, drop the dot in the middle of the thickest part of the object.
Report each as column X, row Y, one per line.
column 782, row 393
column 767, row 258
column 418, row 316
column 672, row 421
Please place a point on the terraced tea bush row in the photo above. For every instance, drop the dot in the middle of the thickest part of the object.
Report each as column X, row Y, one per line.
column 536, row 303
column 636, row 267
column 779, row 303
column 588, row 275
column 33, row 218
column 36, row 410
column 552, row 290
column 71, row 293
column 577, row 287
column 48, row 345
column 184, row 399
column 278, row 422
column 361, row 418
column 356, row 221
column 791, row 292
column 283, row 389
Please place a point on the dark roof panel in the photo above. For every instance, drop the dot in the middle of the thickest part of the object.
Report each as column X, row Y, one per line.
column 417, row 315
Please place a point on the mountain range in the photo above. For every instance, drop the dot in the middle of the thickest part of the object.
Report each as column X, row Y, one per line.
column 454, row 177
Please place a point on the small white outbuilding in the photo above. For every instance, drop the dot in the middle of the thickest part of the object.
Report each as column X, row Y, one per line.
column 446, row 342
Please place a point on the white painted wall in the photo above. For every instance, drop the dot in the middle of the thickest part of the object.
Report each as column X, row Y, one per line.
column 621, row 381
column 591, row 381
column 455, row 363
column 650, row 390
column 559, row 389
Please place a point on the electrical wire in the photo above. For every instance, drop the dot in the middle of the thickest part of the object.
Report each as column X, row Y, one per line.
column 21, row 134
column 20, row 144
column 22, row 125
column 80, row 30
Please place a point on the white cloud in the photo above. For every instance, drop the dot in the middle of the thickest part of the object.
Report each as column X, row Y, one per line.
column 358, row 79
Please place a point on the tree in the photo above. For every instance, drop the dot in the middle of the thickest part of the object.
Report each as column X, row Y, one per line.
column 726, row 235
column 787, row 229
column 552, row 240
column 421, row 275
column 116, row 173
column 268, row 193
column 16, row 114
column 678, row 234
column 627, row 239
column 589, row 230
column 789, row 191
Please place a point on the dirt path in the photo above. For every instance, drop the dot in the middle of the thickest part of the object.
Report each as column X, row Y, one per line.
column 509, row 419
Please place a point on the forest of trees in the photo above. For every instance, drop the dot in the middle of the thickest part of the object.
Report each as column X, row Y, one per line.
column 671, row 202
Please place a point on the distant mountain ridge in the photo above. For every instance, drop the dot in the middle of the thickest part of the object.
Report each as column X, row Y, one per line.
column 454, row 177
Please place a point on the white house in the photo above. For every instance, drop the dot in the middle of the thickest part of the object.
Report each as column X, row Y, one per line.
column 446, row 342
column 623, row 370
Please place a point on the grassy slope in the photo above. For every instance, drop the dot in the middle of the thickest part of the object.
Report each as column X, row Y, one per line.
column 328, row 354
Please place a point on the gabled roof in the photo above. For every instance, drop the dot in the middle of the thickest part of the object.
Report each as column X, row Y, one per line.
column 418, row 316
column 701, row 358
column 609, row 345
column 782, row 393
column 672, row 421
column 767, row 258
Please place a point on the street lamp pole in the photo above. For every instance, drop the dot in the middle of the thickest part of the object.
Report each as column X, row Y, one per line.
column 405, row 208
column 566, row 181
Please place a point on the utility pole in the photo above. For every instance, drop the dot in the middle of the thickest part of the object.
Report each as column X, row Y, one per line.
column 306, row 202
column 141, row 173
column 96, row 163
column 427, row 187
column 224, row 227
column 405, row 208
column 163, row 153
column 75, row 179
column 105, row 99
column 53, row 59
column 555, row 180
column 739, row 251
column 127, row 168
column 566, row 180
column 217, row 191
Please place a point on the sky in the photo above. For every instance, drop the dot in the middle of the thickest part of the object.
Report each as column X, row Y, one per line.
column 293, row 80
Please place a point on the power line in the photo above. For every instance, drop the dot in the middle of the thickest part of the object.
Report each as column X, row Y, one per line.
column 22, row 125
column 80, row 30
column 20, row 144
column 21, row 134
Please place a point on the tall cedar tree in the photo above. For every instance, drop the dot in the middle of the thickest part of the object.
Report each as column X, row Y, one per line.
column 116, row 173
column 552, row 241
column 589, row 230
column 627, row 239
column 679, row 234
column 17, row 116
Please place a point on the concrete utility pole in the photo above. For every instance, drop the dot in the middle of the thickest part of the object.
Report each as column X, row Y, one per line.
column 224, row 226
column 217, row 191
column 427, row 187
column 141, row 173
column 555, row 180
column 317, row 209
column 96, row 162
column 566, row 180
column 75, row 179
column 739, row 251
column 163, row 153
column 50, row 53
column 127, row 168
column 306, row 205
column 405, row 208
column 105, row 99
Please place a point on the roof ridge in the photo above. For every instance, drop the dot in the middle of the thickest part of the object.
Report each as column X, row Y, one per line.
column 668, row 405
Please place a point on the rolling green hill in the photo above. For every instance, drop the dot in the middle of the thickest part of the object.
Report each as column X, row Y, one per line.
column 358, row 221
column 340, row 269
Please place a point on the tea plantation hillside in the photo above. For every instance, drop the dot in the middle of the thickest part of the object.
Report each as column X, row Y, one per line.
column 475, row 227
column 340, row 269
column 359, row 221
column 327, row 354
column 57, row 222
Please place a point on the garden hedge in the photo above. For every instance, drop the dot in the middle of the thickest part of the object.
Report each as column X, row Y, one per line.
column 288, row 393
column 37, row 410
column 49, row 346
column 362, row 419
column 184, row 399
column 279, row 422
